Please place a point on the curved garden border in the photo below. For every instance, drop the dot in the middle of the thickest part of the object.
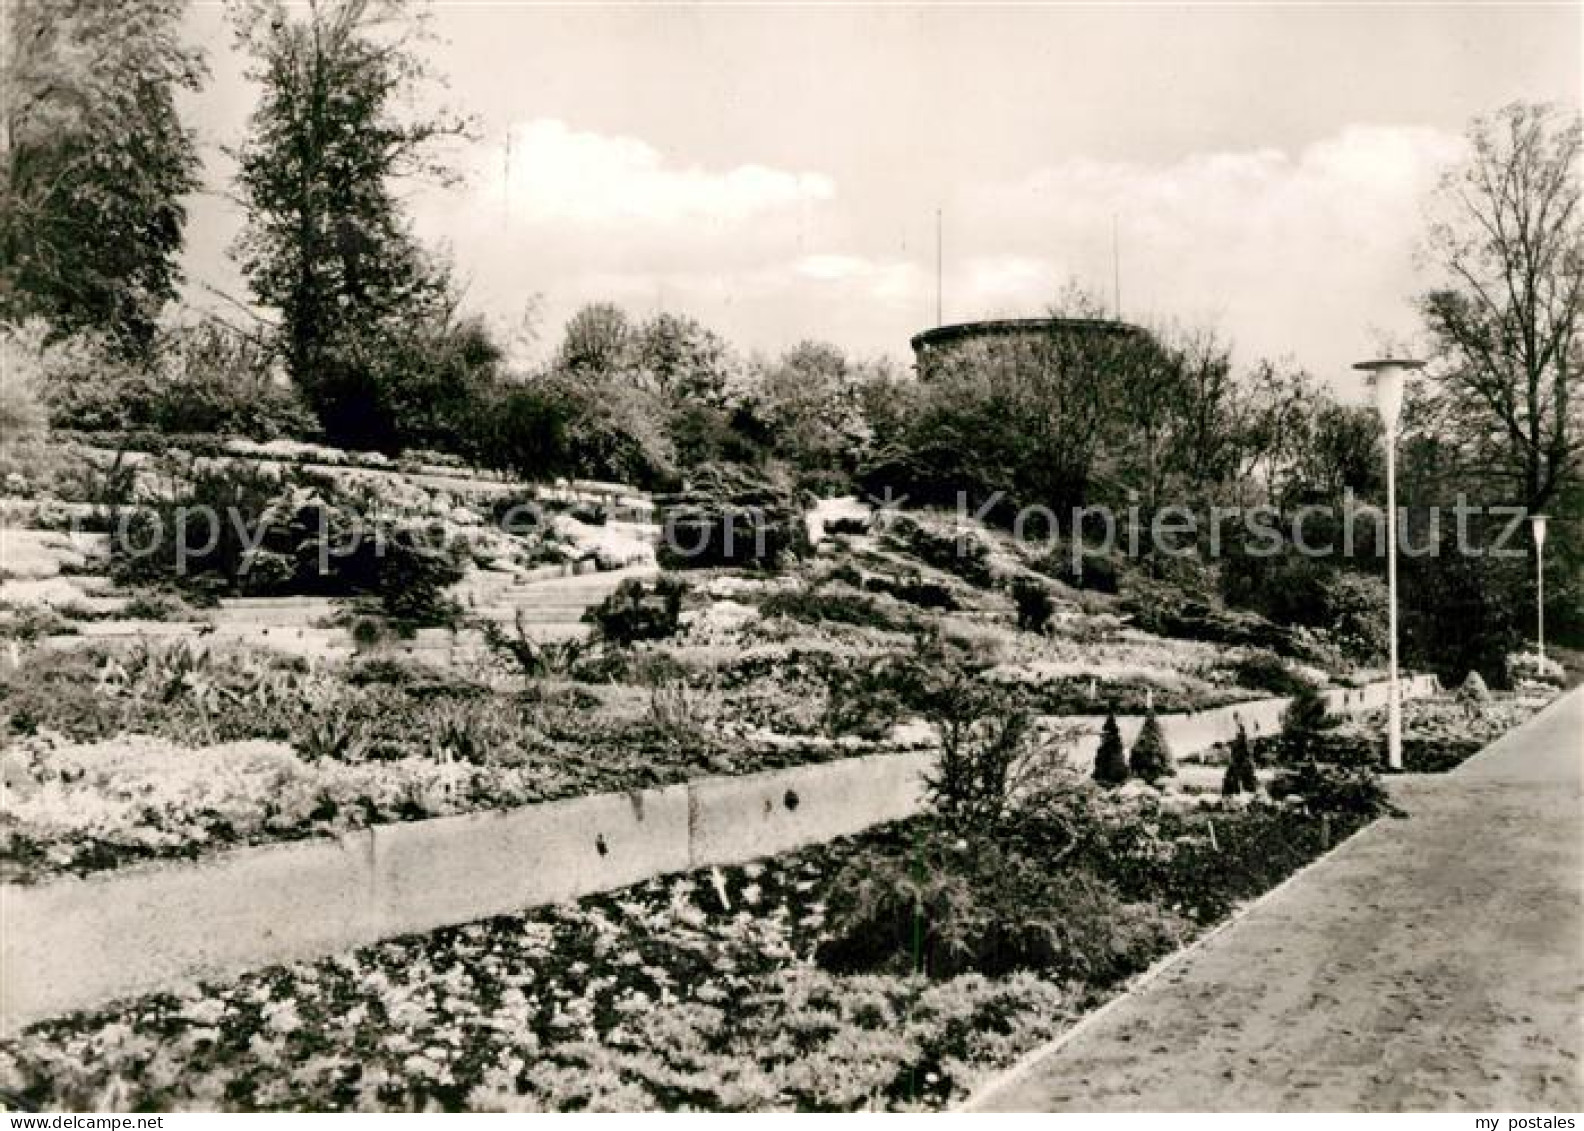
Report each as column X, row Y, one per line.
column 72, row 943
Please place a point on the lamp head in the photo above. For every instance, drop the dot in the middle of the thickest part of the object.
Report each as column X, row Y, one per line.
column 1387, row 375
column 1537, row 523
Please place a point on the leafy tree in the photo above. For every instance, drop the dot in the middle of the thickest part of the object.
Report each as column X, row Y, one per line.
column 326, row 244
column 1240, row 776
column 1111, row 764
column 683, row 359
column 1274, row 416
column 1342, row 453
column 1462, row 612
column 1151, row 759
column 808, row 405
column 565, row 423
column 1509, row 240
column 95, row 163
column 598, row 341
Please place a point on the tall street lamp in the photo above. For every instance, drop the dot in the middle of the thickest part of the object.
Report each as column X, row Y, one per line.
column 1387, row 374
column 1537, row 523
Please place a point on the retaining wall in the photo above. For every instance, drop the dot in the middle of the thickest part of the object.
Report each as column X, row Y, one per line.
column 78, row 942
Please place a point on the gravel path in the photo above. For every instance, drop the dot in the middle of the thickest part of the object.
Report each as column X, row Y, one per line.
column 1434, row 963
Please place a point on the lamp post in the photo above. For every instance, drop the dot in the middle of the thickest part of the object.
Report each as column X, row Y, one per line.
column 1387, row 374
column 1537, row 524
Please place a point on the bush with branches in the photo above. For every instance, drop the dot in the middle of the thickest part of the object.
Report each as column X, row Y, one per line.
column 636, row 611
column 1034, row 604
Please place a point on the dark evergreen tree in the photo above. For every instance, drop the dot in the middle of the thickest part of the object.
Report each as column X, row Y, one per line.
column 1151, row 759
column 1111, row 764
column 1240, row 776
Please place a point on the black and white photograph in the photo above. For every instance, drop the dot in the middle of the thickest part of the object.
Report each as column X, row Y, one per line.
column 765, row 557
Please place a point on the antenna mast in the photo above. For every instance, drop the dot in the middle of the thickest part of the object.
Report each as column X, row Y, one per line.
column 938, row 273
column 506, row 189
column 1116, row 272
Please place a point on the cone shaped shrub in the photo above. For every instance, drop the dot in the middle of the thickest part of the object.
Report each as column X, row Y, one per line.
column 1473, row 690
column 1111, row 764
column 1302, row 722
column 1151, row 758
column 1240, row 776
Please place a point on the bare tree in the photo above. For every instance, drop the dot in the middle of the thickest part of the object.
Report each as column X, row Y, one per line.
column 1509, row 236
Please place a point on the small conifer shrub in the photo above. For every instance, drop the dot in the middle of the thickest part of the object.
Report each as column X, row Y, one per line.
column 1111, row 764
column 1240, row 776
column 1151, row 759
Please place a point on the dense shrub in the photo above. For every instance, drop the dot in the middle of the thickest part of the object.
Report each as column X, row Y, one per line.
column 411, row 578
column 1205, row 864
column 1462, row 612
column 1472, row 691
column 914, row 590
column 944, row 904
column 864, row 699
column 1151, row 759
column 1034, row 605
column 730, row 516
column 961, row 552
column 576, row 425
column 1240, row 774
column 1349, row 791
column 1093, row 571
column 1111, row 764
column 1304, row 721
column 1532, row 667
column 1265, row 671
column 1348, row 607
column 637, row 612
column 1166, row 611
column 987, row 749
column 240, row 528
column 205, row 378
column 819, row 605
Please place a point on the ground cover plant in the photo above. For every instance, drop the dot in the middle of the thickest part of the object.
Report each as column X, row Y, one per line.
column 797, row 982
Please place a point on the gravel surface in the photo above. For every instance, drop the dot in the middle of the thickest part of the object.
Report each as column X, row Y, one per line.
column 1432, row 963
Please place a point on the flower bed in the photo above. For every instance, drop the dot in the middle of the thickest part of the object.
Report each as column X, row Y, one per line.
column 1440, row 733
column 113, row 756
column 690, row 992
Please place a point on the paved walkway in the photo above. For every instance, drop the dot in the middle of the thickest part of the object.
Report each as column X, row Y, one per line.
column 1434, row 963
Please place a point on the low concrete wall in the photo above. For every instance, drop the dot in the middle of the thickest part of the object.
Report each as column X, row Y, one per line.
column 69, row 944
column 427, row 874
column 75, row 943
column 740, row 818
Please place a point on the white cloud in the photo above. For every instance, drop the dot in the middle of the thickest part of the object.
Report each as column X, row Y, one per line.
column 1305, row 252
column 554, row 173
column 1308, row 253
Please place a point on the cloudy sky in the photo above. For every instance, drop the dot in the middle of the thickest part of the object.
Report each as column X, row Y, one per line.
column 775, row 171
